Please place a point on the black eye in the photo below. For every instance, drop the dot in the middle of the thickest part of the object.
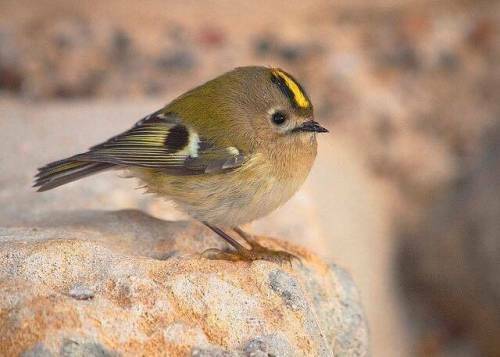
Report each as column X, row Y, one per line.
column 279, row 118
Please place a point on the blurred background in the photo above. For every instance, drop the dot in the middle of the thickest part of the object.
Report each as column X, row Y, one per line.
column 405, row 193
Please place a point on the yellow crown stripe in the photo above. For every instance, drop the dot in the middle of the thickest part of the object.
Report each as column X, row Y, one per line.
column 298, row 95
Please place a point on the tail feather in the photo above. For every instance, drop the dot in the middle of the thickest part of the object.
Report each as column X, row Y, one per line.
column 64, row 171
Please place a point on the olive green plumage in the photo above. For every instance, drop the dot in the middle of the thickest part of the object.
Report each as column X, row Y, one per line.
column 227, row 152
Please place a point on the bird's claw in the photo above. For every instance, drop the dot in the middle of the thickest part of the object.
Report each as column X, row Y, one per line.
column 258, row 252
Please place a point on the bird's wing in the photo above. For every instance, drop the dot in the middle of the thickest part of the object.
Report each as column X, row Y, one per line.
column 164, row 142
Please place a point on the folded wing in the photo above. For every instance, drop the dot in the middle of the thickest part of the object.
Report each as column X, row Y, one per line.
column 159, row 141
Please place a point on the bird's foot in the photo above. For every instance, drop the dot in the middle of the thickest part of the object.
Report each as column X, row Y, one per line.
column 241, row 253
column 257, row 252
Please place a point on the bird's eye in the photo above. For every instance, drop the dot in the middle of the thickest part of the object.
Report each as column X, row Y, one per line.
column 278, row 118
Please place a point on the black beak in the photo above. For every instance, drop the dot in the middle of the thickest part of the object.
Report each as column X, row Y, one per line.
column 311, row 126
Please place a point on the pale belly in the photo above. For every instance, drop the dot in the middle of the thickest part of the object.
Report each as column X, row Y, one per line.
column 229, row 199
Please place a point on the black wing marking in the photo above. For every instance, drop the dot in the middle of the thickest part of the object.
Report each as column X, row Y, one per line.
column 162, row 141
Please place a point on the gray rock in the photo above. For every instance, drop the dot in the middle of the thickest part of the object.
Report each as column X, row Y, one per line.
column 269, row 345
column 81, row 292
column 39, row 350
column 213, row 352
column 288, row 288
column 72, row 348
column 184, row 304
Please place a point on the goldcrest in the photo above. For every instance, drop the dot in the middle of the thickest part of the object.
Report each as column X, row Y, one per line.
column 227, row 152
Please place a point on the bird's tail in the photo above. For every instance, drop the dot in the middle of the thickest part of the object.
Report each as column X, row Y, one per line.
column 64, row 171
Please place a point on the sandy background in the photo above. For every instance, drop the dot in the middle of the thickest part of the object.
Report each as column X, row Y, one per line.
column 408, row 90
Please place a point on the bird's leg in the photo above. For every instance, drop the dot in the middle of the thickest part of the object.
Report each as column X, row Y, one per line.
column 257, row 251
column 246, row 236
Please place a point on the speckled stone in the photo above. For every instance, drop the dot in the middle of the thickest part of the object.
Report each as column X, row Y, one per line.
column 90, row 283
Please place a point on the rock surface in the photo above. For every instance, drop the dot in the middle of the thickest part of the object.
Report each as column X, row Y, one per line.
column 122, row 282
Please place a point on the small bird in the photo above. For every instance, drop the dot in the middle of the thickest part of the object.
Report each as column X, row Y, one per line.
column 227, row 152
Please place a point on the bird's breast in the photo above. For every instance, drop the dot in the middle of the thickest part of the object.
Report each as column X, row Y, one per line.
column 266, row 181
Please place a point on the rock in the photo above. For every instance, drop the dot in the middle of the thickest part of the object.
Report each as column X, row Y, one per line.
column 450, row 261
column 96, row 283
column 81, row 292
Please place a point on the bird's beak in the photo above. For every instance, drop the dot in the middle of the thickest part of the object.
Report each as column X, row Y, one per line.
column 311, row 126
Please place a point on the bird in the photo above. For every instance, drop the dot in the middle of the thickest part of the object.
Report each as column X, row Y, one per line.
column 227, row 152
